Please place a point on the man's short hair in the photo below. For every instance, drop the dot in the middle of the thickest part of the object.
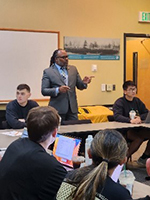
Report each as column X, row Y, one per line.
column 41, row 122
column 127, row 84
column 23, row 86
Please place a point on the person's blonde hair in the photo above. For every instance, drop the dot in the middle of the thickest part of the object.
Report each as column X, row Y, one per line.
column 108, row 149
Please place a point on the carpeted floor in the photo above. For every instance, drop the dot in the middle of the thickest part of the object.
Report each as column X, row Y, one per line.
column 139, row 173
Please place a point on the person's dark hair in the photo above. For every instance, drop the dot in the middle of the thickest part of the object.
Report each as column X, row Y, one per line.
column 41, row 122
column 23, row 86
column 55, row 53
column 127, row 84
column 108, row 149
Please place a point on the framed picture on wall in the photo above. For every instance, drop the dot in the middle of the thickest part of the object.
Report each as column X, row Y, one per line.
column 83, row 48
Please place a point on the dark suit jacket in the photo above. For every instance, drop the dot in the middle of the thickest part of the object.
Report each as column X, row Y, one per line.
column 52, row 79
column 27, row 172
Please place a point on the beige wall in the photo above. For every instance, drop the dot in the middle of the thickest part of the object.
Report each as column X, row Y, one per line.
column 82, row 18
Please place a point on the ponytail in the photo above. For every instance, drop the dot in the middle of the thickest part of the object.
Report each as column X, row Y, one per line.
column 107, row 149
column 88, row 186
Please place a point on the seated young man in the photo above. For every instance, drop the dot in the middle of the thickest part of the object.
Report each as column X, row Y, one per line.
column 131, row 109
column 27, row 171
column 17, row 110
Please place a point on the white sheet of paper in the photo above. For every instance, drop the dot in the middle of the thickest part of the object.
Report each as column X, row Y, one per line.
column 116, row 173
column 12, row 133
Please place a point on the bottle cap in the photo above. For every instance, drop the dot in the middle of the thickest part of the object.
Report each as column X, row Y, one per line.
column 90, row 137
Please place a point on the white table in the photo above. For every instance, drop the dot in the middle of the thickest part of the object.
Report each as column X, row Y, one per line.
column 99, row 126
column 5, row 140
column 78, row 128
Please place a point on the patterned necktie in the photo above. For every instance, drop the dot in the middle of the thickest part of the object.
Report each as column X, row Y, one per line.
column 63, row 74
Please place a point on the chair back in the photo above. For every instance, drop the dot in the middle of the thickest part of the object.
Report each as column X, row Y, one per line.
column 71, row 122
column 2, row 119
column 110, row 118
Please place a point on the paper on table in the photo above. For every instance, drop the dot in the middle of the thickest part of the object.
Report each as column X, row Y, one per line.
column 116, row 173
column 12, row 133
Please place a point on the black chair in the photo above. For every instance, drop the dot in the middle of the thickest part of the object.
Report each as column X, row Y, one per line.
column 71, row 122
column 110, row 118
column 2, row 115
column 3, row 123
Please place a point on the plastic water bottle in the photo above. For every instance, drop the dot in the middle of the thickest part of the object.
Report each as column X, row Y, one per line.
column 88, row 141
column 24, row 133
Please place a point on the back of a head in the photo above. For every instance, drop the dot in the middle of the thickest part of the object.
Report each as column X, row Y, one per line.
column 110, row 145
column 23, row 86
column 127, row 84
column 41, row 122
column 108, row 149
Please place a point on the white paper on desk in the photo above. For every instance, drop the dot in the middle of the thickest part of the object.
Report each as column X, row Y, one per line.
column 116, row 173
column 12, row 133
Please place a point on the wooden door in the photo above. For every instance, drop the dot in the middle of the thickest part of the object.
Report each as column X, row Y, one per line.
column 140, row 46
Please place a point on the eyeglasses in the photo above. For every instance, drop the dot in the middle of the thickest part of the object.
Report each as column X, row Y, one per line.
column 132, row 90
column 63, row 57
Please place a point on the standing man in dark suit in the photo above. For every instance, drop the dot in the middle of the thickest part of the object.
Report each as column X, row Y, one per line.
column 27, row 171
column 59, row 82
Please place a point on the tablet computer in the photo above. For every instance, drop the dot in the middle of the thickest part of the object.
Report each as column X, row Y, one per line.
column 65, row 147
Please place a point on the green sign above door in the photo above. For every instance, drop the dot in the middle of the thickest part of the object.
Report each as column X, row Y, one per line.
column 144, row 17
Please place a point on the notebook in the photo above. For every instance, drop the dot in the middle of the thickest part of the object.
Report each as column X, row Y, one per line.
column 65, row 148
column 147, row 120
